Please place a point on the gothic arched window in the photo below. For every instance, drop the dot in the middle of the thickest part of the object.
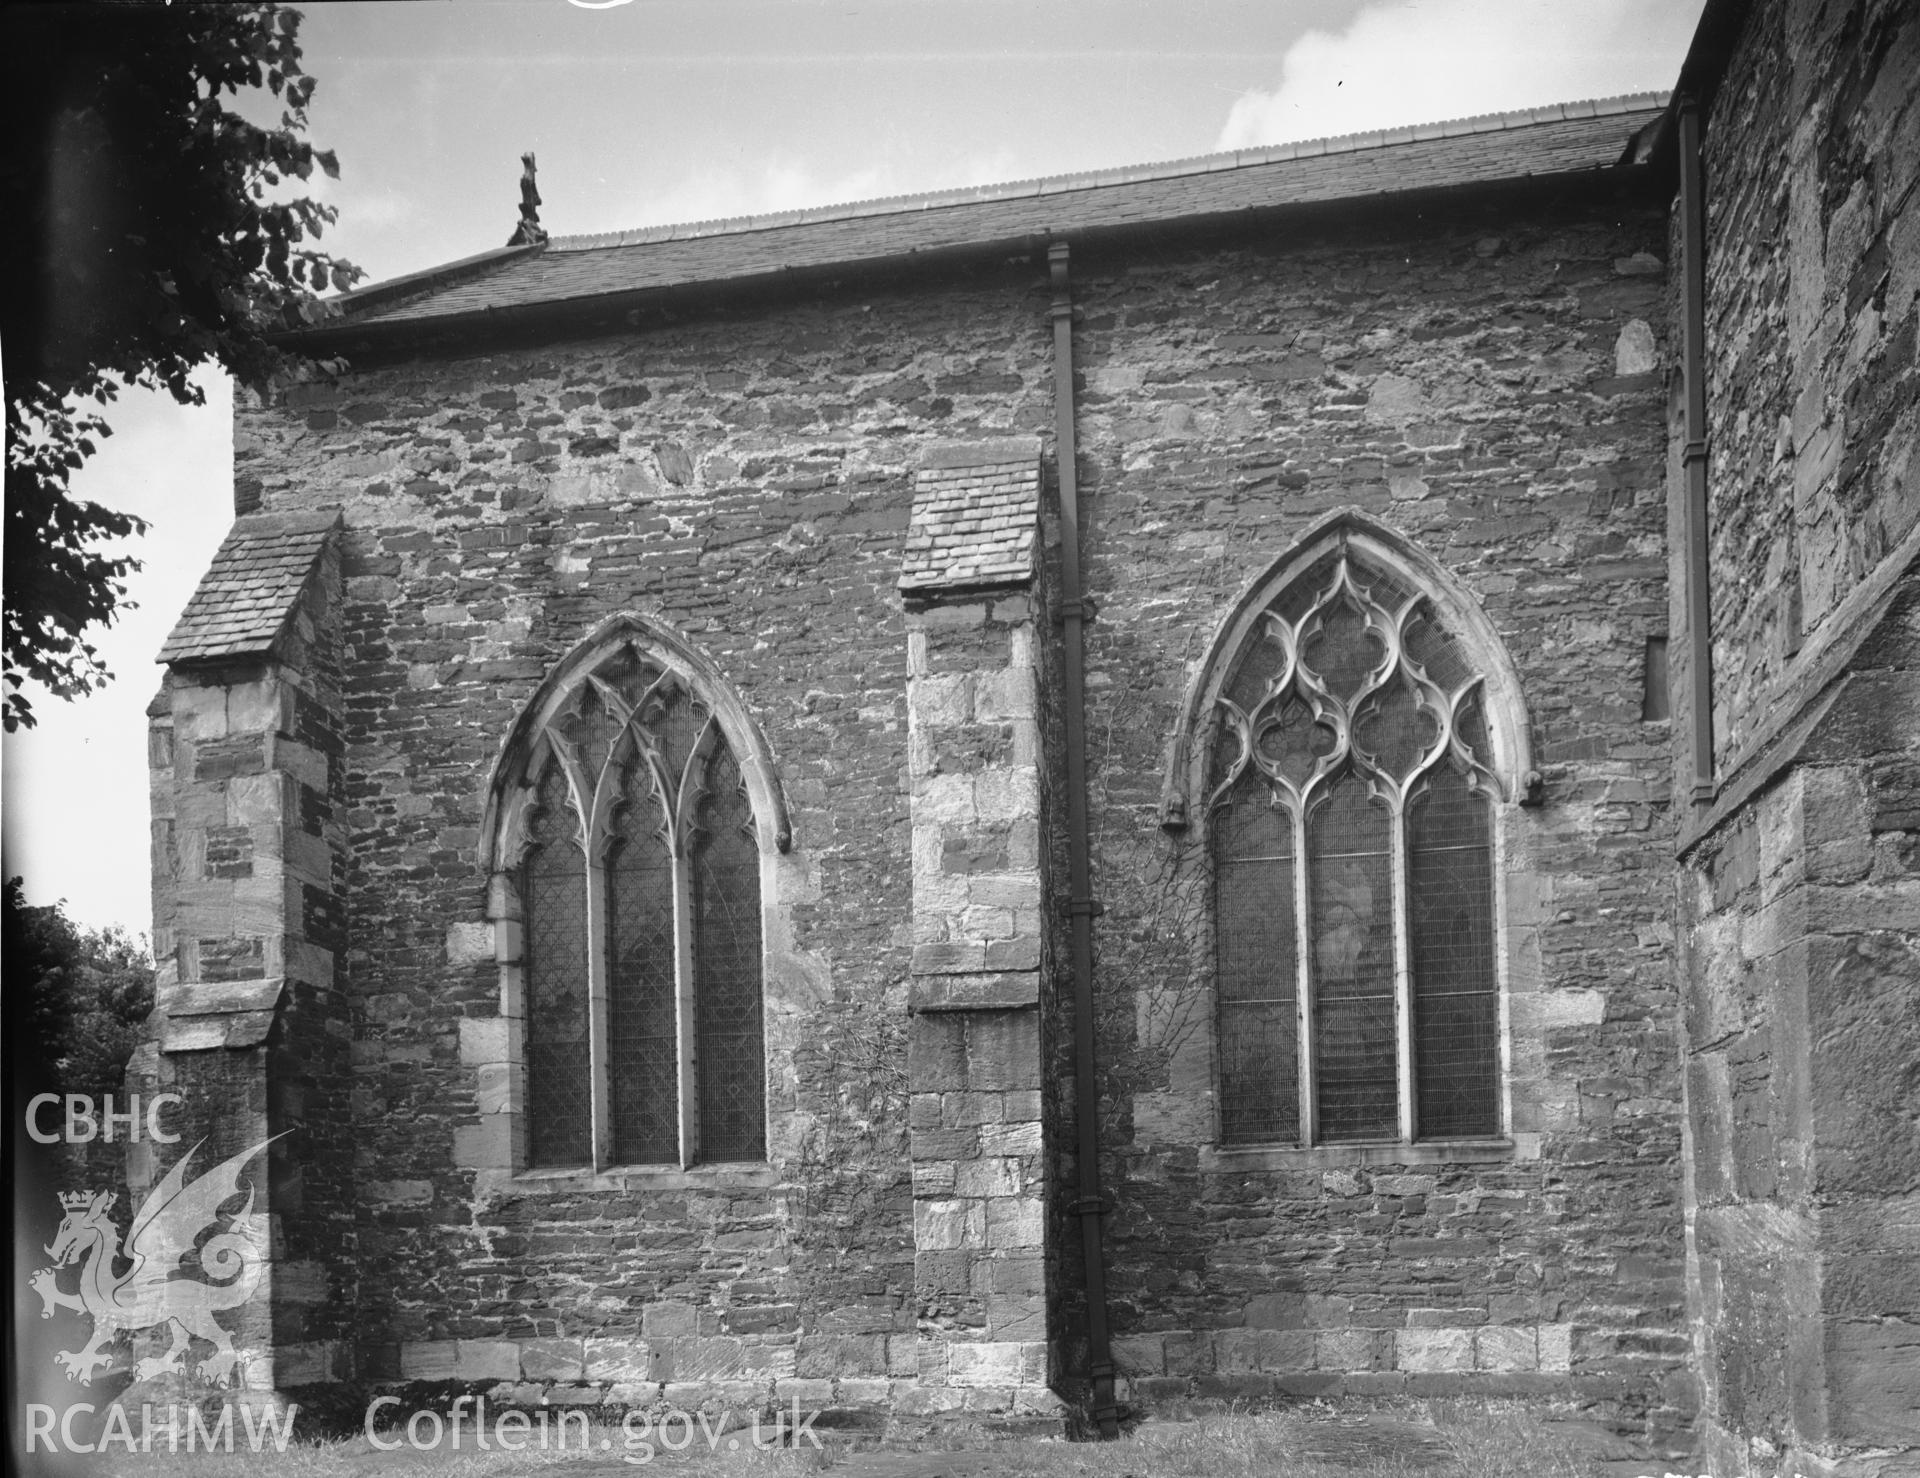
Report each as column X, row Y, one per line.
column 629, row 837
column 1350, row 788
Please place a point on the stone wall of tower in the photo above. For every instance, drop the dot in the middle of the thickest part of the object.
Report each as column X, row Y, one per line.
column 1799, row 898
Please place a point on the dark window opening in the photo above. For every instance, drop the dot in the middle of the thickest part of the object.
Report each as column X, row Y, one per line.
column 1656, row 699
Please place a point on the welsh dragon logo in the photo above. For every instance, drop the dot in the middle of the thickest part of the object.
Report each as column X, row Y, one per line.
column 156, row 1289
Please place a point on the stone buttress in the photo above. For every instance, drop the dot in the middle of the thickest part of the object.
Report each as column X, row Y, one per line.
column 249, row 1028
column 974, row 760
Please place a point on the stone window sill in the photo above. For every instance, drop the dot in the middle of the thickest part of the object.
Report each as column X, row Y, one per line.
column 1386, row 1153
column 735, row 1175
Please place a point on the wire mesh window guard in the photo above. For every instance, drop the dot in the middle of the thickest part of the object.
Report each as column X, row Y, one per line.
column 639, row 884
column 1350, row 794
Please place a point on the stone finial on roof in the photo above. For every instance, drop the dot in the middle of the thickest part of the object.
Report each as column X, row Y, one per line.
column 976, row 517
column 529, row 232
column 257, row 575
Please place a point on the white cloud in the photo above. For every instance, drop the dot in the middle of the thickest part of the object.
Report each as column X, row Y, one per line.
column 780, row 185
column 377, row 210
column 989, row 169
column 775, row 186
column 1419, row 61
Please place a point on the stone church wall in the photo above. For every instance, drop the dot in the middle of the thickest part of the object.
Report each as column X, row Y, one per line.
column 1494, row 390
column 1488, row 380
column 748, row 484
column 1812, row 154
column 1800, row 900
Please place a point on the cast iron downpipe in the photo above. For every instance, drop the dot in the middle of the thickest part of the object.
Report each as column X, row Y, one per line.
column 1693, row 456
column 1089, row 1204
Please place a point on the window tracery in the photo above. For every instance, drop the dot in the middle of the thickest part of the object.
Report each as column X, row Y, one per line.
column 1350, row 791
column 630, row 835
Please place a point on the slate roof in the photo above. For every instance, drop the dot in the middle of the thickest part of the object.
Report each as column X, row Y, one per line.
column 1567, row 139
column 974, row 522
column 249, row 590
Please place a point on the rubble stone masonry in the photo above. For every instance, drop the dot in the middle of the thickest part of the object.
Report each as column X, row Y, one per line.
column 1800, row 898
column 1487, row 379
column 1494, row 394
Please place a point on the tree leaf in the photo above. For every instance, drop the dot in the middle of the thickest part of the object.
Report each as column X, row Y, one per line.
column 186, row 266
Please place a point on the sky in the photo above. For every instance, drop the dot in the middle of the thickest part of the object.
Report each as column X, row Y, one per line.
column 659, row 111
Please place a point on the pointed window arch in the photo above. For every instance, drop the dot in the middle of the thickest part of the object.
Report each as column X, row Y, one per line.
column 627, row 847
column 1356, row 734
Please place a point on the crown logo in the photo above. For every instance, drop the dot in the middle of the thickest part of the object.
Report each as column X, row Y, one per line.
column 81, row 1200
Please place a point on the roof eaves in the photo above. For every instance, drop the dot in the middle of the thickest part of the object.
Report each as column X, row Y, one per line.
column 379, row 294
column 1721, row 23
column 1195, row 164
column 867, row 250
column 1714, row 38
column 353, row 337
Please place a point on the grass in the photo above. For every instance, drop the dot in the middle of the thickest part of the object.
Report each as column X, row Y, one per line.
column 1438, row 1439
column 1453, row 1439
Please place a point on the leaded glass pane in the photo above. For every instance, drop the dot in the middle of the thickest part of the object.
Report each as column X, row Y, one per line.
column 1251, row 827
column 1343, row 652
column 1262, row 663
column 671, row 722
column 553, row 894
column 727, row 1010
column 1394, row 730
column 1256, row 968
column 1293, row 742
column 1440, row 653
column 1471, row 725
column 1299, row 597
column 1455, row 991
column 643, row 1051
column 591, row 729
column 1350, row 879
